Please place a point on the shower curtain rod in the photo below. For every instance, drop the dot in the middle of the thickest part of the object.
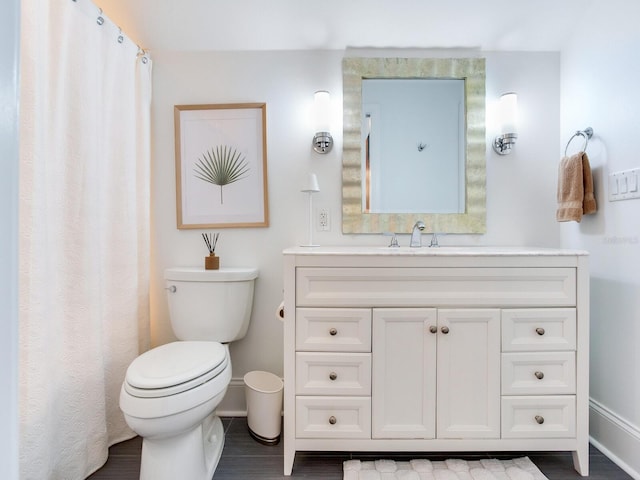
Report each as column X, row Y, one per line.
column 121, row 36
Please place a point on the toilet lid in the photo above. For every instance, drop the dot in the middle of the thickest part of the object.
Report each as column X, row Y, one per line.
column 174, row 368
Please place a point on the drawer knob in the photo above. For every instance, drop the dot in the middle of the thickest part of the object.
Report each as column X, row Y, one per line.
column 333, row 376
column 539, row 375
column 444, row 330
column 540, row 331
column 333, row 332
column 433, row 329
column 333, row 420
column 539, row 419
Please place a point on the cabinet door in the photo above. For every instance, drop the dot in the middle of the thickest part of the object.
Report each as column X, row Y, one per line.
column 404, row 381
column 468, row 373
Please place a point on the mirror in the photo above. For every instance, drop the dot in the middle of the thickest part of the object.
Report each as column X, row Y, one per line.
column 422, row 162
column 413, row 125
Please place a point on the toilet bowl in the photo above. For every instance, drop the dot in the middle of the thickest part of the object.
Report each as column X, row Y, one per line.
column 170, row 393
column 168, row 398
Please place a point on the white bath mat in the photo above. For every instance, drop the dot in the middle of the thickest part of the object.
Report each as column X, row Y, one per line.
column 484, row 469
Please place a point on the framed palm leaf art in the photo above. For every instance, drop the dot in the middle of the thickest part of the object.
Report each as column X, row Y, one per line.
column 221, row 165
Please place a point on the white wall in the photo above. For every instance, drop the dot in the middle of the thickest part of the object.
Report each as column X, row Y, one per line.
column 600, row 72
column 521, row 187
column 9, row 45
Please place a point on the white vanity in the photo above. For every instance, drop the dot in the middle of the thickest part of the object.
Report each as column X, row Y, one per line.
column 436, row 349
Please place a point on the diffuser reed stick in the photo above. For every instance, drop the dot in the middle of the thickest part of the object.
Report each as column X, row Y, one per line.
column 210, row 241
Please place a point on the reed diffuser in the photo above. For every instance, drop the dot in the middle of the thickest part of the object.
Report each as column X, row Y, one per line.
column 212, row 261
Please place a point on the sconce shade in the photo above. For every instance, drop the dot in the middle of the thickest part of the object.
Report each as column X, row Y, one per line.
column 322, row 140
column 312, row 184
column 321, row 104
column 508, row 118
column 509, row 113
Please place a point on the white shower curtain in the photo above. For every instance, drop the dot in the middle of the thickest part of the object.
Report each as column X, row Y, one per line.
column 84, row 234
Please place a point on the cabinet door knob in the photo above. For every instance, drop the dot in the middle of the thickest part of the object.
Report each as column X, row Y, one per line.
column 539, row 419
column 444, row 330
column 539, row 375
column 433, row 329
column 333, row 376
column 333, row 332
column 333, row 420
column 540, row 331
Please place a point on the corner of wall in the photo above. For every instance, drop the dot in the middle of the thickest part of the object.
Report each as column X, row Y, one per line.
column 615, row 437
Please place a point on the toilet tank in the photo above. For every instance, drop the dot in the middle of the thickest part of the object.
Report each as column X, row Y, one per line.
column 211, row 305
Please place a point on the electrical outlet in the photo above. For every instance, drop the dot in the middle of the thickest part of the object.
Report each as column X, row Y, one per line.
column 323, row 220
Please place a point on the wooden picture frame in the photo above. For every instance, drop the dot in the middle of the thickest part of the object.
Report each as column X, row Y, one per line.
column 221, row 165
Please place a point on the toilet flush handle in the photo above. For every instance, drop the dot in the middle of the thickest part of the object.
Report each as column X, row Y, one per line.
column 172, row 288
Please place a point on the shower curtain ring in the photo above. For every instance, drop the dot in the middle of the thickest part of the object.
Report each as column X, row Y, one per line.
column 100, row 19
column 143, row 54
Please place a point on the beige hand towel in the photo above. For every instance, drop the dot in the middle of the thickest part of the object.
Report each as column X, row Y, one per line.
column 575, row 188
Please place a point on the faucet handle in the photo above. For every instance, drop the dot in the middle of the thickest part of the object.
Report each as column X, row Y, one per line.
column 394, row 239
column 434, row 240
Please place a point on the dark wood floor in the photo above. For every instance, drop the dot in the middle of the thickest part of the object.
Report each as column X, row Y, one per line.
column 243, row 458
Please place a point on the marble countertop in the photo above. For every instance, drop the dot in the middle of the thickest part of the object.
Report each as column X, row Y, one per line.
column 432, row 251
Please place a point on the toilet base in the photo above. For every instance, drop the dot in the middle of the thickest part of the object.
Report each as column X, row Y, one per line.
column 193, row 454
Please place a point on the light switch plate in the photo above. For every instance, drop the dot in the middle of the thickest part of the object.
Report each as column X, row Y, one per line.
column 624, row 185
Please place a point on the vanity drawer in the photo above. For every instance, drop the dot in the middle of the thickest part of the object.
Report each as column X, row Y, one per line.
column 548, row 373
column 538, row 329
column 435, row 286
column 333, row 329
column 333, row 417
column 333, row 374
column 539, row 417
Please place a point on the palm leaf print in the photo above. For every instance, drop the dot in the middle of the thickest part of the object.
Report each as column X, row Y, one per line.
column 222, row 165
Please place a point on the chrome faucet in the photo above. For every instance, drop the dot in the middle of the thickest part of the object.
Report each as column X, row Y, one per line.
column 416, row 234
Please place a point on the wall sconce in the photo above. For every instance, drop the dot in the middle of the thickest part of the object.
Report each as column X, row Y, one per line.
column 322, row 140
column 507, row 116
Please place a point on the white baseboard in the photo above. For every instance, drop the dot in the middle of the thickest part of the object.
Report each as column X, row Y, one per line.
column 233, row 404
column 615, row 437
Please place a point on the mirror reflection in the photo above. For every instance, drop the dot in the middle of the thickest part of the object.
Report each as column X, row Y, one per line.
column 449, row 200
column 413, row 125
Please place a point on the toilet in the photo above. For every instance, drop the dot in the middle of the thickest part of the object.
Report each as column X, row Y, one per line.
column 170, row 393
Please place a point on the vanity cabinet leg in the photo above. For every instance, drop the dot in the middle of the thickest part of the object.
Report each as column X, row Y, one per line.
column 289, row 457
column 581, row 460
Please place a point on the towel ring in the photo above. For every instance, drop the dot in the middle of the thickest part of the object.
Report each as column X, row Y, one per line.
column 587, row 133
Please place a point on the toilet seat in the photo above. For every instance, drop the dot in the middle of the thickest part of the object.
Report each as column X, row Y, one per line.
column 175, row 368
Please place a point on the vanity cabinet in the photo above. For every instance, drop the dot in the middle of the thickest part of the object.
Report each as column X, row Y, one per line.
column 436, row 373
column 450, row 349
